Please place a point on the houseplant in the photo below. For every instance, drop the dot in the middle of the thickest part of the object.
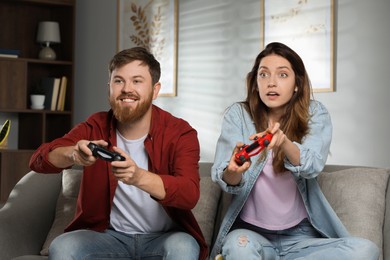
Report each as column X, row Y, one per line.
column 4, row 131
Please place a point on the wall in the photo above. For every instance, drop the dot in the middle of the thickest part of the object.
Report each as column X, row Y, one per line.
column 218, row 41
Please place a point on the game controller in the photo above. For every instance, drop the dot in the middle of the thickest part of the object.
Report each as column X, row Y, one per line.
column 100, row 152
column 256, row 147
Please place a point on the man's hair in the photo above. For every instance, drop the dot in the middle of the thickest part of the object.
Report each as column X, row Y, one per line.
column 137, row 53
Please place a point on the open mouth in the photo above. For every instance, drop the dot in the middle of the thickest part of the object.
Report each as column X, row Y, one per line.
column 128, row 99
column 272, row 94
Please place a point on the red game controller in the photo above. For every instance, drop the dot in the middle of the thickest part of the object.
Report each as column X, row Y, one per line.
column 256, row 147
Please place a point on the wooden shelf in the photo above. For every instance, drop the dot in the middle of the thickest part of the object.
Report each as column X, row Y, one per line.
column 33, row 60
column 47, row 2
column 19, row 21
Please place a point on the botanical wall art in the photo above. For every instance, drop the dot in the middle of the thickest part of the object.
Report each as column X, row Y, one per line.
column 152, row 24
column 307, row 26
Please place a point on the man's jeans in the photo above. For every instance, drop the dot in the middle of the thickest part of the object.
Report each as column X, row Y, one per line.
column 299, row 242
column 87, row 244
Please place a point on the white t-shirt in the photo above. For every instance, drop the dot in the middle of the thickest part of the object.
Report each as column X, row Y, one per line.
column 133, row 210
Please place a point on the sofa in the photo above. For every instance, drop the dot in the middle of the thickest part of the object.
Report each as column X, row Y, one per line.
column 41, row 205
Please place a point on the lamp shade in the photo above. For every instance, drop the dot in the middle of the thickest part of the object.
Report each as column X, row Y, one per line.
column 48, row 32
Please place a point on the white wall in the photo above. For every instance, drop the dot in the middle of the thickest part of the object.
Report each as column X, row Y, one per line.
column 218, row 41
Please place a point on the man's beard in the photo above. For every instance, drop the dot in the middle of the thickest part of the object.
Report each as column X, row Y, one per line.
column 126, row 115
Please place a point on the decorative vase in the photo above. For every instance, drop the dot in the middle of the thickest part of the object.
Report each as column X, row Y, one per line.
column 37, row 101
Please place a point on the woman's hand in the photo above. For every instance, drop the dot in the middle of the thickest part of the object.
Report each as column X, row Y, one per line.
column 233, row 172
column 278, row 138
column 281, row 141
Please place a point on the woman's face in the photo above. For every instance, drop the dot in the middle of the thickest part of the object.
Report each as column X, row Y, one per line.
column 276, row 82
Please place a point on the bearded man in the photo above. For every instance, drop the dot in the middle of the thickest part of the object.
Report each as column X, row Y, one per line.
column 139, row 207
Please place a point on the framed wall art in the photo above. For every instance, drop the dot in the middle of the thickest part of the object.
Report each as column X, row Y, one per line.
column 307, row 26
column 152, row 24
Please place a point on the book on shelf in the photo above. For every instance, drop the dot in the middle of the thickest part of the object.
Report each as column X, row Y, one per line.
column 9, row 53
column 62, row 94
column 51, row 86
column 47, row 85
column 54, row 97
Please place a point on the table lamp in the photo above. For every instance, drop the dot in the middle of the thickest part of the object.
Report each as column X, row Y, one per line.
column 48, row 33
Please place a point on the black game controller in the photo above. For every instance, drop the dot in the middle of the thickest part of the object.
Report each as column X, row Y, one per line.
column 104, row 154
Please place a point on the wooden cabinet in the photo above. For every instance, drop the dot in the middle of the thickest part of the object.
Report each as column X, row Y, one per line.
column 19, row 23
column 9, row 160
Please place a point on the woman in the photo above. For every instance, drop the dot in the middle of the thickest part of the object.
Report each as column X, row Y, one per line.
column 278, row 209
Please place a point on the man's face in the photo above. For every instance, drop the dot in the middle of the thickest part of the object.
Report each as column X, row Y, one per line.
column 131, row 92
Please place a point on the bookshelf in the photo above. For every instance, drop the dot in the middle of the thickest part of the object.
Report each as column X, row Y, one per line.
column 19, row 22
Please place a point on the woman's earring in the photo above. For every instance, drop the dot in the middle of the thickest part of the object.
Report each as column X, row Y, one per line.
column 296, row 89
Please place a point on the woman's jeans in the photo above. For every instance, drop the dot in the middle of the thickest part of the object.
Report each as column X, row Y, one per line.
column 300, row 242
column 88, row 244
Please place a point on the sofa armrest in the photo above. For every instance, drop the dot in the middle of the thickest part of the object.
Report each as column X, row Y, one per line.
column 28, row 214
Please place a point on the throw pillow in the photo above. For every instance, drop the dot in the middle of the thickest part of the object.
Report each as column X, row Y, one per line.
column 66, row 206
column 206, row 209
column 358, row 197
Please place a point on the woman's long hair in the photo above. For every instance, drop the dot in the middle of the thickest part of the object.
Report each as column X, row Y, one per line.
column 294, row 123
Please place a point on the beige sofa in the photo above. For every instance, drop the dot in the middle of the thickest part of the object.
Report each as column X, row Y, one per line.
column 41, row 205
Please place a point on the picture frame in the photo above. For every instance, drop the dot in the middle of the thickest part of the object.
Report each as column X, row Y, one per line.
column 308, row 28
column 152, row 24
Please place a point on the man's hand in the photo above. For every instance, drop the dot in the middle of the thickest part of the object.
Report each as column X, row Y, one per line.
column 82, row 154
column 126, row 171
column 78, row 154
column 129, row 173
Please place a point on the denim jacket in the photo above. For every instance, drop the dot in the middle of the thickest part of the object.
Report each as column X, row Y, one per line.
column 238, row 126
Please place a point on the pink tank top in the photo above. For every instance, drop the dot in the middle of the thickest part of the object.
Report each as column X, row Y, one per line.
column 274, row 202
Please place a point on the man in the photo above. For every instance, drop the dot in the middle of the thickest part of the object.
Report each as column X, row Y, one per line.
column 139, row 208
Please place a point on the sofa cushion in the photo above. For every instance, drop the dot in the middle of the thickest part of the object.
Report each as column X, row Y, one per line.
column 358, row 196
column 66, row 206
column 206, row 210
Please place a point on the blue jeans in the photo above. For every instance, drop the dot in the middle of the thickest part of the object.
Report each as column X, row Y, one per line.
column 300, row 242
column 88, row 244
